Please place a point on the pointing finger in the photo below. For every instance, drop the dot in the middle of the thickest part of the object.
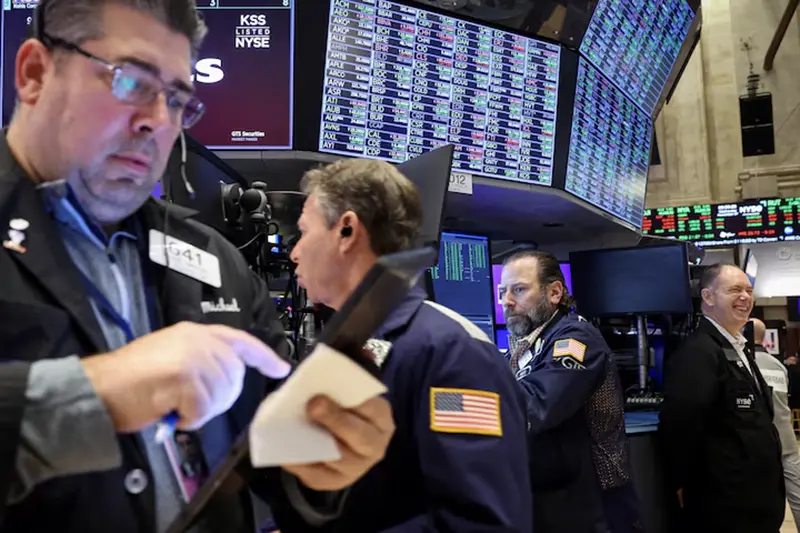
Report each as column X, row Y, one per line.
column 253, row 352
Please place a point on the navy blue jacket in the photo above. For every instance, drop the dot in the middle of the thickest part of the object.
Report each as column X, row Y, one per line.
column 578, row 447
column 439, row 480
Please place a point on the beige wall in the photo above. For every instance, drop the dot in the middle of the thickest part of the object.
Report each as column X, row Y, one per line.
column 699, row 130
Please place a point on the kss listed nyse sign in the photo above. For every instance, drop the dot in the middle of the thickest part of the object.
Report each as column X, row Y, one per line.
column 252, row 31
column 244, row 75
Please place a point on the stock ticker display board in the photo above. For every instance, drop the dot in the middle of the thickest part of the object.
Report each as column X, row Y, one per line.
column 247, row 58
column 400, row 81
column 609, row 149
column 636, row 43
column 745, row 222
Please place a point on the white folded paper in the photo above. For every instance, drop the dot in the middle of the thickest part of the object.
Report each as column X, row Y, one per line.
column 281, row 434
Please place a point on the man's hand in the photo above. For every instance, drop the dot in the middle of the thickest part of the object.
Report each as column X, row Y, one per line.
column 362, row 433
column 192, row 369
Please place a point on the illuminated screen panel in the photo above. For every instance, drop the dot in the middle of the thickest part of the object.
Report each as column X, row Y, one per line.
column 400, row 81
column 462, row 280
column 609, row 149
column 746, row 222
column 244, row 74
column 636, row 42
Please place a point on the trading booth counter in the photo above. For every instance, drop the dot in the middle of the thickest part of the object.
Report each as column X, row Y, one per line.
column 648, row 471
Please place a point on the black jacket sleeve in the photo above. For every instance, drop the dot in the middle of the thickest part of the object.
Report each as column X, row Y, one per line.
column 690, row 385
column 13, row 383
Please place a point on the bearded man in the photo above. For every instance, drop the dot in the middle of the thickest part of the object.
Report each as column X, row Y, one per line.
column 578, row 449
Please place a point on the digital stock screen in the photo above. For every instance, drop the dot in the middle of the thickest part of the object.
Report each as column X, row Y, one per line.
column 462, row 280
column 244, row 73
column 745, row 222
column 609, row 149
column 400, row 81
column 636, row 43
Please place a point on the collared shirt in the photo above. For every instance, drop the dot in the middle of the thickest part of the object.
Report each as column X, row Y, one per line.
column 738, row 342
column 113, row 266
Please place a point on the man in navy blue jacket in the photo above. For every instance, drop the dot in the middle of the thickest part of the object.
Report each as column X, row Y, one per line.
column 578, row 448
column 457, row 459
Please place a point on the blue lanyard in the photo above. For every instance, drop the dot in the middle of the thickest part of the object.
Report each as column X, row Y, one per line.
column 106, row 308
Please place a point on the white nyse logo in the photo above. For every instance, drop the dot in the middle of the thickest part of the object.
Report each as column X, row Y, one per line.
column 208, row 70
column 252, row 31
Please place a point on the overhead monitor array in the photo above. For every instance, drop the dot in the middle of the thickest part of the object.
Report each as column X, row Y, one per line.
column 636, row 44
column 400, row 81
column 627, row 55
column 244, row 74
column 609, row 149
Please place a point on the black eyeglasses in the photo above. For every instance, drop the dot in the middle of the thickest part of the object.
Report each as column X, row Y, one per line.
column 135, row 85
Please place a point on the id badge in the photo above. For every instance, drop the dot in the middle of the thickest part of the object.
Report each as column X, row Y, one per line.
column 185, row 459
column 185, row 258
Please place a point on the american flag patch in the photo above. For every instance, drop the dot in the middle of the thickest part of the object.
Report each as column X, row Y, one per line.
column 465, row 411
column 570, row 348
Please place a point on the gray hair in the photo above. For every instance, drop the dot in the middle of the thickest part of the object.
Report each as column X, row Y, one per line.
column 78, row 21
column 386, row 202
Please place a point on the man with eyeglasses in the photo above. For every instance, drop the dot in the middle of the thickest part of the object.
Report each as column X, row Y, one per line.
column 103, row 333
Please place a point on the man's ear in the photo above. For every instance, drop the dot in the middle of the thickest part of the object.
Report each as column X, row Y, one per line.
column 32, row 65
column 555, row 291
column 705, row 294
column 350, row 231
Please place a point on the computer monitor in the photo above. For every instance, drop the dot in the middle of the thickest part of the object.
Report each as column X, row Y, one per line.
column 636, row 43
column 462, row 279
column 609, row 150
column 632, row 281
column 400, row 81
column 497, row 271
column 244, row 73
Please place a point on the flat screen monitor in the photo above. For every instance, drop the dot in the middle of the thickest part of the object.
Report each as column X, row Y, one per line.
column 497, row 272
column 636, row 42
column 462, row 279
column 609, row 149
column 632, row 281
column 244, row 73
column 400, row 81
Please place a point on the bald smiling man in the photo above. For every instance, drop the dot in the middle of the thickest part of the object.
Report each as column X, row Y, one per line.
column 777, row 377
